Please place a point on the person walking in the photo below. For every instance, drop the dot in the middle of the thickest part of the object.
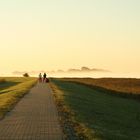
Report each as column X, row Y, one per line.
column 40, row 78
column 44, row 77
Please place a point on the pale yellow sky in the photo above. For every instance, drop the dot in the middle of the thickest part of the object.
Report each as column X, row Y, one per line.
column 44, row 35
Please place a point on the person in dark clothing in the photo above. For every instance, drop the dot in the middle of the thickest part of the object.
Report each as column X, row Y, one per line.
column 44, row 77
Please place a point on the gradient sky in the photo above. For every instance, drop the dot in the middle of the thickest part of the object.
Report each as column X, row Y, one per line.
column 61, row 34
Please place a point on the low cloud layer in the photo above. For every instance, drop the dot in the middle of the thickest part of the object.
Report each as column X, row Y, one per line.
column 81, row 70
column 86, row 69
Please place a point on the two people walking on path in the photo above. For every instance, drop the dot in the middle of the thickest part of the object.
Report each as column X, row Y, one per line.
column 43, row 79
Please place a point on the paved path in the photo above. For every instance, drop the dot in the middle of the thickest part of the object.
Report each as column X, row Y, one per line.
column 34, row 118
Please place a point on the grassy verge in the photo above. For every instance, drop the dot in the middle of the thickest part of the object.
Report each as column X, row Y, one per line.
column 104, row 116
column 73, row 129
column 11, row 91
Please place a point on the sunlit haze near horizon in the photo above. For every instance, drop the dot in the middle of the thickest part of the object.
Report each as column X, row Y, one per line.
column 49, row 35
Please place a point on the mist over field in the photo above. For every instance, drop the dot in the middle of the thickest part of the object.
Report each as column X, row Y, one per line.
column 96, row 75
column 79, row 74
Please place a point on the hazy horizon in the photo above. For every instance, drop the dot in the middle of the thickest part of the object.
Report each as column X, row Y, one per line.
column 77, row 74
column 49, row 35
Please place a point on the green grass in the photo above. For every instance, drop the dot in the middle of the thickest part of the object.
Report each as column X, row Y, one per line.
column 7, row 84
column 12, row 90
column 128, row 87
column 110, row 117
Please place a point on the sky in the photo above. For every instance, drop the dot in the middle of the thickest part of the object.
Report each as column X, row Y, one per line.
column 52, row 34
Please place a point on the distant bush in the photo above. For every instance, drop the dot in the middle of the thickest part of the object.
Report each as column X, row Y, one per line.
column 26, row 75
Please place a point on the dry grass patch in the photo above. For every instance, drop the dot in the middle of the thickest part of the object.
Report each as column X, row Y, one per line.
column 9, row 96
column 2, row 80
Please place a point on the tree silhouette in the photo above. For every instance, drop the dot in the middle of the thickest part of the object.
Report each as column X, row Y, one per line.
column 26, row 75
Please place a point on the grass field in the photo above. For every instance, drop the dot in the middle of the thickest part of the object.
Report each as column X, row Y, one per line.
column 109, row 117
column 126, row 86
column 11, row 90
column 2, row 80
